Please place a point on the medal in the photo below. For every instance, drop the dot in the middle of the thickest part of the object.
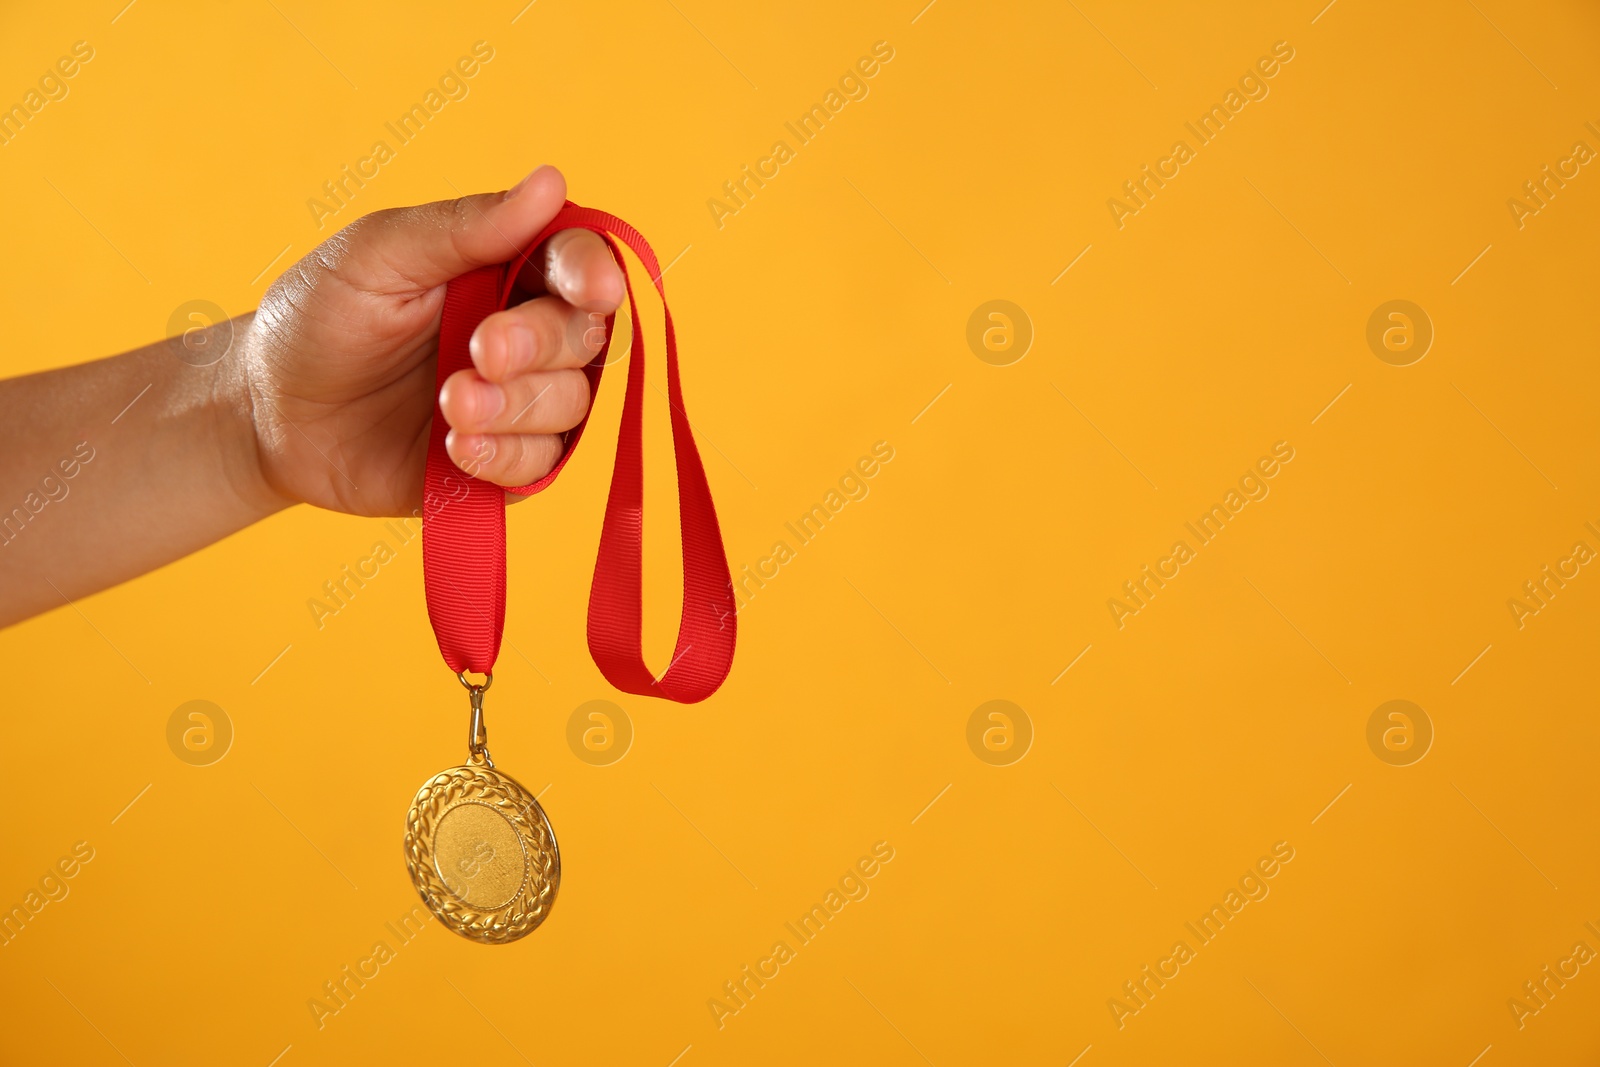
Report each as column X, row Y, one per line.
column 478, row 846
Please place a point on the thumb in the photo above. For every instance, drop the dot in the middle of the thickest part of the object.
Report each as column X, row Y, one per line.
column 418, row 248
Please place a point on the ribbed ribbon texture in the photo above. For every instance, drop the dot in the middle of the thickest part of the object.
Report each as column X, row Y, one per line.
column 464, row 522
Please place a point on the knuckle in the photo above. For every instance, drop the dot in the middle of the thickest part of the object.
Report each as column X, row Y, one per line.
column 527, row 463
column 365, row 228
column 576, row 395
column 540, row 452
column 455, row 219
column 544, row 318
column 553, row 401
column 362, row 228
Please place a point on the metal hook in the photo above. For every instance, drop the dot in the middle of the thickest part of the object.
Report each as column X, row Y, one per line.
column 477, row 732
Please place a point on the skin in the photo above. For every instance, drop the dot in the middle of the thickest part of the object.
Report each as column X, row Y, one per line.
column 324, row 395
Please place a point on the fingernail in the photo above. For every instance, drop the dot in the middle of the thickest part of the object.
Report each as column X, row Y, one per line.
column 487, row 349
column 471, row 452
column 517, row 188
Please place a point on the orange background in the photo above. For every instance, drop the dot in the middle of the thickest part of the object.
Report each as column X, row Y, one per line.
column 1229, row 714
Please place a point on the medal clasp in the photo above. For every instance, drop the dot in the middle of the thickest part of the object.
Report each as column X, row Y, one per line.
column 477, row 732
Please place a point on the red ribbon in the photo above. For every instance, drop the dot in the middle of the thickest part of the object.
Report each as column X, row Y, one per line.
column 464, row 523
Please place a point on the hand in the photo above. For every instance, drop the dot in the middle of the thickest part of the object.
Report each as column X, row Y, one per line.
column 340, row 359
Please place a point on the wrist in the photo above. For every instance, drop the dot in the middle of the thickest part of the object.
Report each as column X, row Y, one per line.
column 236, row 421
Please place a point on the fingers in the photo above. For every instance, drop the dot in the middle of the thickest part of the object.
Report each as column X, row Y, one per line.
column 541, row 402
column 524, row 389
column 565, row 329
column 418, row 248
column 577, row 266
column 504, row 459
column 543, row 334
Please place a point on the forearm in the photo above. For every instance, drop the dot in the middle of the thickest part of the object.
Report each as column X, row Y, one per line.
column 112, row 468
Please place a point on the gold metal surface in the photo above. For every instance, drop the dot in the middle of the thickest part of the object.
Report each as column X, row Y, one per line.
column 482, row 854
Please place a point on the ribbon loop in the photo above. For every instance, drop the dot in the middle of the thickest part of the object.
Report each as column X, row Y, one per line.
column 463, row 526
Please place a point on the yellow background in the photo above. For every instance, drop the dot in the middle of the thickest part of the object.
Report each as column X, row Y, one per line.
column 822, row 318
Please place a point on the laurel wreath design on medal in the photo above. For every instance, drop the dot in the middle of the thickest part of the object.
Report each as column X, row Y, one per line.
column 454, row 797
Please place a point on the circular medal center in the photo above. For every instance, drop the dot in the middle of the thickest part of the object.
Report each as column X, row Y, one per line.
column 479, row 856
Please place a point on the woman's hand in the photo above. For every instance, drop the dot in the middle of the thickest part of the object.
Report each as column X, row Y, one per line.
column 115, row 467
column 339, row 360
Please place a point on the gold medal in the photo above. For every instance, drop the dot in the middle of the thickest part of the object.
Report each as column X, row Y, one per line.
column 479, row 847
